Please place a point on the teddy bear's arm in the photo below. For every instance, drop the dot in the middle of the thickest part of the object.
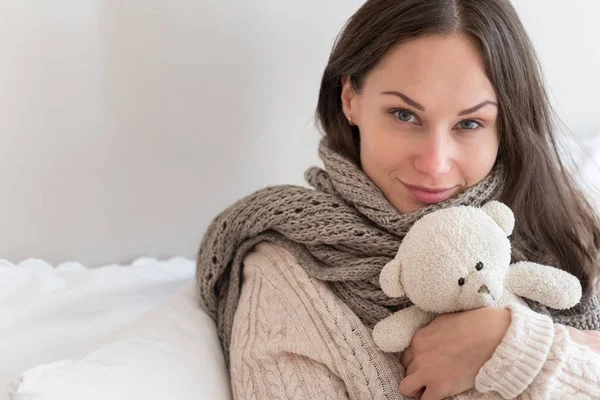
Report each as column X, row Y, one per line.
column 547, row 285
column 394, row 333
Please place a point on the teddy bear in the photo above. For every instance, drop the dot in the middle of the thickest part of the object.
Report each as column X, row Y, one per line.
column 458, row 259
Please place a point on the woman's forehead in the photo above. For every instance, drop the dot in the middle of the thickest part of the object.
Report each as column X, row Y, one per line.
column 434, row 66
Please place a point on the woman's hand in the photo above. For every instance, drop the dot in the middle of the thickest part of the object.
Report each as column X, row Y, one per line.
column 445, row 356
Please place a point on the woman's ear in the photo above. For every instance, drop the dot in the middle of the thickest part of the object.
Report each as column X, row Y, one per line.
column 501, row 214
column 349, row 100
column 389, row 279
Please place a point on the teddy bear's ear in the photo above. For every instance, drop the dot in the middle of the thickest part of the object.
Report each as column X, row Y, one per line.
column 501, row 214
column 389, row 279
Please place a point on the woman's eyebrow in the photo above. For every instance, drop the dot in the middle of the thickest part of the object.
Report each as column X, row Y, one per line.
column 420, row 107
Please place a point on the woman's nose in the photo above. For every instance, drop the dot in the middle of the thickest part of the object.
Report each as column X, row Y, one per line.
column 434, row 156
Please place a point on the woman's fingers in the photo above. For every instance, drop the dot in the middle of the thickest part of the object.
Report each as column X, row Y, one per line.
column 411, row 385
column 407, row 357
column 431, row 395
column 411, row 369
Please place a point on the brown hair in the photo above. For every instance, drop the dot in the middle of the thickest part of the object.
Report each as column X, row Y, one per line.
column 552, row 215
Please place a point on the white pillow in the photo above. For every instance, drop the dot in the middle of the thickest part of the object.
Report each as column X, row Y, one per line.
column 50, row 313
column 172, row 352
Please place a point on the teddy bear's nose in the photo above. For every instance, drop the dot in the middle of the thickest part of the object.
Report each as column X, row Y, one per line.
column 484, row 290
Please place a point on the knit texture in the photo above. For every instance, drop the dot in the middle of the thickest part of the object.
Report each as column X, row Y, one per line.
column 537, row 359
column 343, row 232
column 293, row 338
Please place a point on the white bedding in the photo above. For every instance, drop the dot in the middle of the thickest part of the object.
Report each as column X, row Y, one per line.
column 49, row 314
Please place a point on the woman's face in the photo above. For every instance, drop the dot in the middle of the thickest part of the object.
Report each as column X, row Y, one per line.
column 427, row 120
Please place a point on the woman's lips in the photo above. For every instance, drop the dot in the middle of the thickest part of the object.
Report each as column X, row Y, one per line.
column 428, row 195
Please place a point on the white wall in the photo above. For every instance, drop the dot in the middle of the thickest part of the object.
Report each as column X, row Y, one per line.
column 567, row 39
column 127, row 125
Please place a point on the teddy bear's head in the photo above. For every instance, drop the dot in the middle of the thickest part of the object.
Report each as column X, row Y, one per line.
column 453, row 259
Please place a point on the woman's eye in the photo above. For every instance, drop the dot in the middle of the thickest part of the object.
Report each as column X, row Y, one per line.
column 407, row 116
column 469, row 125
column 404, row 115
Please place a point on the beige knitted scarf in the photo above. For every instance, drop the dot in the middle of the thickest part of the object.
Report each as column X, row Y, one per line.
column 343, row 232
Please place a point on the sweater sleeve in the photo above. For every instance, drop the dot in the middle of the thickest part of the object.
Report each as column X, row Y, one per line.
column 293, row 338
column 585, row 315
column 537, row 359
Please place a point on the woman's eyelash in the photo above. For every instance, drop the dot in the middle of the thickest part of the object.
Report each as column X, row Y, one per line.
column 394, row 111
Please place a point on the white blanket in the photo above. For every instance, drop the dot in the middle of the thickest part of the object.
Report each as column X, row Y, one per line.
column 49, row 314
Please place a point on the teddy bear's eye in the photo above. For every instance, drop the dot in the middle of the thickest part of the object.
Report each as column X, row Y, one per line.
column 479, row 266
column 461, row 281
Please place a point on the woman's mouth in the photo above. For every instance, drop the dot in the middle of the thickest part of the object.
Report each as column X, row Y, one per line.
column 429, row 195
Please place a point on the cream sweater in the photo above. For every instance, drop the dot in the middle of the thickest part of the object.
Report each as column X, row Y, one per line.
column 293, row 338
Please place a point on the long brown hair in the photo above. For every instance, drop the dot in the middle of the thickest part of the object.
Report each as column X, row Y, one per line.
column 552, row 215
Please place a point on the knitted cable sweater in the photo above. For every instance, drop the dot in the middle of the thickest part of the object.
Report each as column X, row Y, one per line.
column 294, row 339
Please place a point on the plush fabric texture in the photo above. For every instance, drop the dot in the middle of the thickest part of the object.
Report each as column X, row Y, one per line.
column 343, row 231
column 458, row 259
column 294, row 338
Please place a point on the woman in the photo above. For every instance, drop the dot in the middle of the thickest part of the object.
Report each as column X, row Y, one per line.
column 424, row 105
